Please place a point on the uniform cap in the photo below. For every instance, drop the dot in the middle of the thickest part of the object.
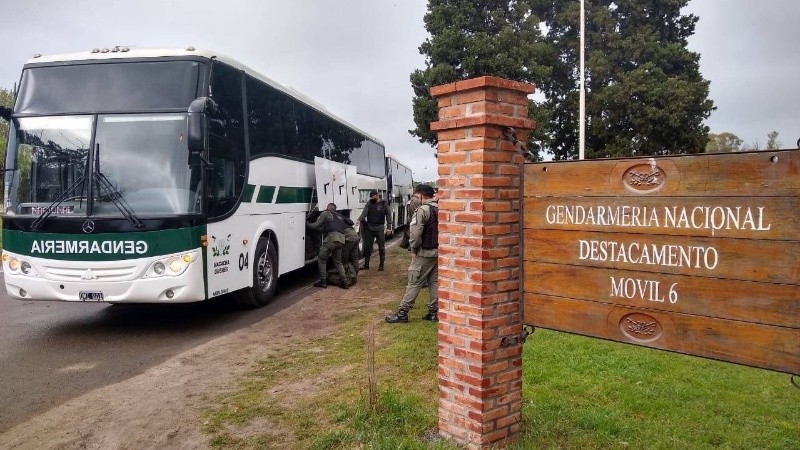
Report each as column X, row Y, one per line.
column 373, row 193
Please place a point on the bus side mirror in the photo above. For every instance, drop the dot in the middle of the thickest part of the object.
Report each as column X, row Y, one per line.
column 198, row 123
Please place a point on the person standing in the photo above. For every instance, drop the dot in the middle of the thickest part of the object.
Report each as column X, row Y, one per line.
column 333, row 227
column 411, row 207
column 424, row 268
column 372, row 219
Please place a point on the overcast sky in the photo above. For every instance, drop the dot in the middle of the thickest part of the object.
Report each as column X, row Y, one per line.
column 355, row 56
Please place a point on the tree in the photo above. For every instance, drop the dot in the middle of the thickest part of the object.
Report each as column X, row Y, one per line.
column 723, row 143
column 772, row 141
column 7, row 100
column 472, row 38
column 645, row 94
column 753, row 146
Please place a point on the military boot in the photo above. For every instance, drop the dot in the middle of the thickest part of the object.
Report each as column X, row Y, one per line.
column 344, row 284
column 400, row 317
column 433, row 316
column 366, row 264
column 383, row 258
column 322, row 283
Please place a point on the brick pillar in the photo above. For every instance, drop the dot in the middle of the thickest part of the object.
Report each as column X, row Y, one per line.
column 480, row 381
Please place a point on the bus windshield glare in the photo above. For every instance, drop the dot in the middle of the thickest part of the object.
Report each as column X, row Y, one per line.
column 144, row 157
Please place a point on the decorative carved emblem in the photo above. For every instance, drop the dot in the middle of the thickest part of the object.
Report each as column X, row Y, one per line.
column 640, row 327
column 644, row 178
column 645, row 328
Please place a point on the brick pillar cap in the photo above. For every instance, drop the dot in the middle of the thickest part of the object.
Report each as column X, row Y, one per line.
column 479, row 82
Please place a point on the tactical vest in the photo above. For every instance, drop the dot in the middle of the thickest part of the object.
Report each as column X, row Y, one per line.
column 335, row 224
column 376, row 213
column 430, row 231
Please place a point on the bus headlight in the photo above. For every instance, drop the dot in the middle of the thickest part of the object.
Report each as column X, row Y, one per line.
column 15, row 266
column 176, row 265
column 159, row 268
column 171, row 266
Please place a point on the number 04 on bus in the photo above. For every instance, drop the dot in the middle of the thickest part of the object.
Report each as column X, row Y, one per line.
column 137, row 175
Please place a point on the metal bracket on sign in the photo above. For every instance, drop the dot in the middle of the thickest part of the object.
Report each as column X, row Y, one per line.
column 510, row 341
column 510, row 134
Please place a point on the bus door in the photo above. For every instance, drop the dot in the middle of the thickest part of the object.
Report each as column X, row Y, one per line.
column 353, row 201
column 331, row 183
column 340, row 186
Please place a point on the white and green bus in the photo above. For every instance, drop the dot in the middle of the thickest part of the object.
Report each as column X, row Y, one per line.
column 400, row 184
column 167, row 176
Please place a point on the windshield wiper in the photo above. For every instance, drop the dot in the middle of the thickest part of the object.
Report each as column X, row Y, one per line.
column 61, row 198
column 101, row 180
column 113, row 194
column 48, row 211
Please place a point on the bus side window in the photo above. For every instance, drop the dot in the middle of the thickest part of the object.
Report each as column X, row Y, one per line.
column 226, row 141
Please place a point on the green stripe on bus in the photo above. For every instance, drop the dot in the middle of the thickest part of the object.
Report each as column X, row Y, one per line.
column 265, row 194
column 293, row 195
column 247, row 196
column 103, row 246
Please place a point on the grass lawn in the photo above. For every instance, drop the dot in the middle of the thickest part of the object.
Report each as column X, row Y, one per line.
column 580, row 393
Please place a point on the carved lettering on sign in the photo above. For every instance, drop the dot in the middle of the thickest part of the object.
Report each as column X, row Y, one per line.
column 694, row 253
column 644, row 178
column 640, row 327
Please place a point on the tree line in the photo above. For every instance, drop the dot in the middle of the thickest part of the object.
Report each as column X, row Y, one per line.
column 645, row 92
column 7, row 100
column 729, row 142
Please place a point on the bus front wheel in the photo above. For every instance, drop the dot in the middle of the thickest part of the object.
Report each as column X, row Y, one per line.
column 265, row 276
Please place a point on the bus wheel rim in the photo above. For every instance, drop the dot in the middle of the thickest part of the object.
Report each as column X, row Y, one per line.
column 264, row 273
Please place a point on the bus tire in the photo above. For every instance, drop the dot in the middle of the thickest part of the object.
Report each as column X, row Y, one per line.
column 265, row 276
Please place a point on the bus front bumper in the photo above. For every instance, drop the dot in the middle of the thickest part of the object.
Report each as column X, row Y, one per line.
column 184, row 288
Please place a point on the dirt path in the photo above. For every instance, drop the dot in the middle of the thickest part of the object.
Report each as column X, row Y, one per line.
column 162, row 407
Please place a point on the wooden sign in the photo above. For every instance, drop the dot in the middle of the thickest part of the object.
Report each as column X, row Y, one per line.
column 697, row 254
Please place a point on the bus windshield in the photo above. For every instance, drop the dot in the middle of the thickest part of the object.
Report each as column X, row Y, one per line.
column 143, row 157
column 49, row 155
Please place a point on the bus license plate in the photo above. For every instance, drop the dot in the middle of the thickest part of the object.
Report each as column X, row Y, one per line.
column 91, row 296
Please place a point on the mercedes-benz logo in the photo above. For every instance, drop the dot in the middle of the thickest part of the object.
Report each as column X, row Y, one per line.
column 88, row 226
column 88, row 275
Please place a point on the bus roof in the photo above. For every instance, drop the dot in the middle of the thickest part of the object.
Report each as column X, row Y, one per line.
column 124, row 52
column 394, row 158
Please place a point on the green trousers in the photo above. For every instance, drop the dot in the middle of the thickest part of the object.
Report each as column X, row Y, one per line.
column 374, row 233
column 331, row 249
column 422, row 270
column 350, row 258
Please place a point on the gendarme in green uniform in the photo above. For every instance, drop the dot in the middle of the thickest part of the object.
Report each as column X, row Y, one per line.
column 333, row 227
column 377, row 216
column 350, row 253
column 411, row 208
column 424, row 268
